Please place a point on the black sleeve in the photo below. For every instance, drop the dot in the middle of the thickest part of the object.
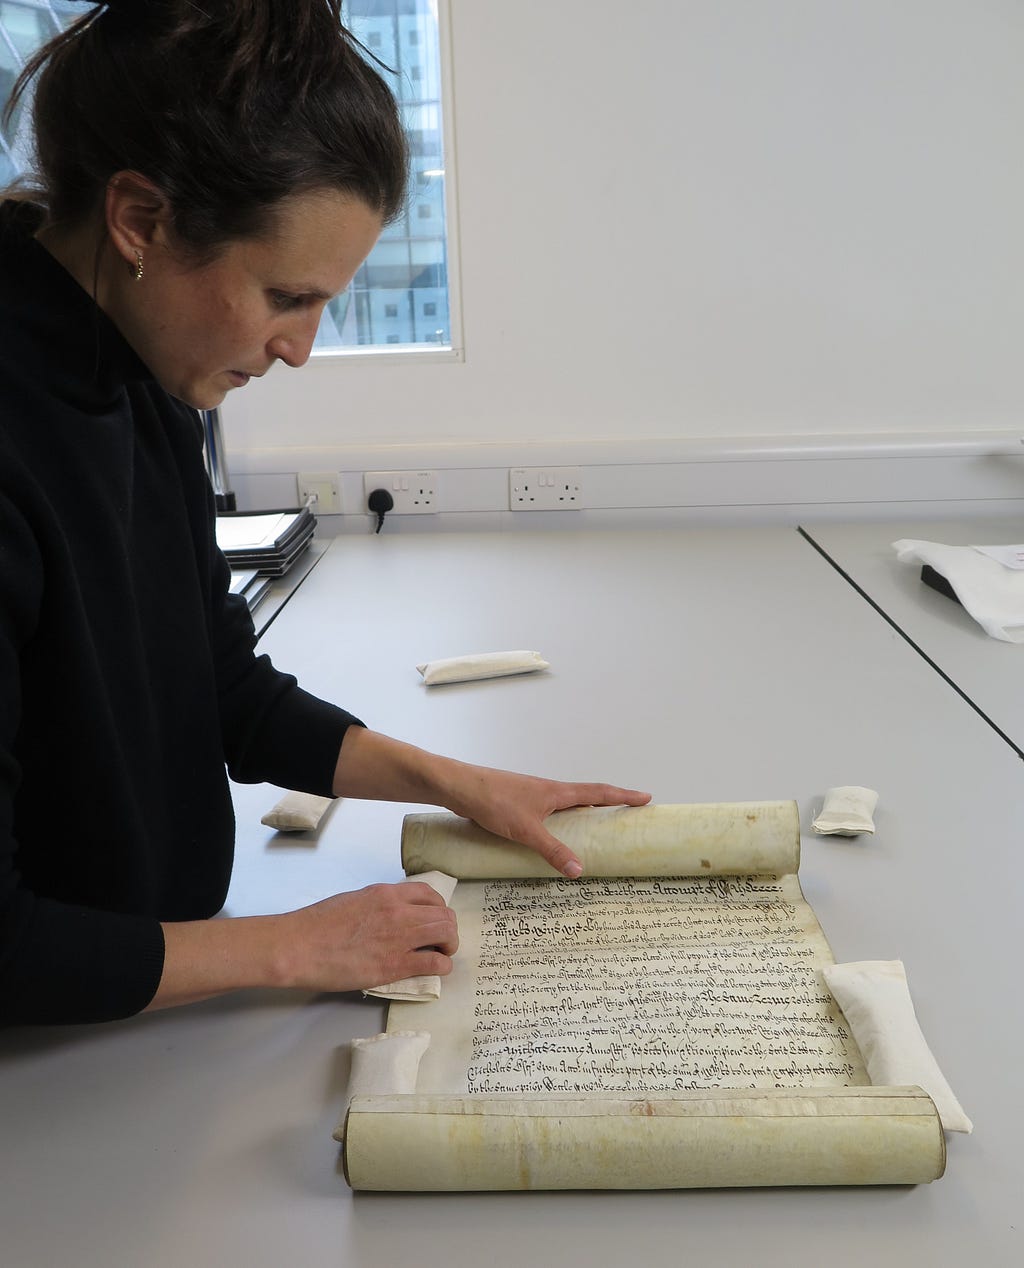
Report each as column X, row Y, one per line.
column 58, row 962
column 272, row 730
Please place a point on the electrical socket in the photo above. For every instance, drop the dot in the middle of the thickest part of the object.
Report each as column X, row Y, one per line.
column 325, row 486
column 414, row 492
column 545, row 488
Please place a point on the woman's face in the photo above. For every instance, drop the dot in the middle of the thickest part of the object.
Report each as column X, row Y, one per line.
column 203, row 331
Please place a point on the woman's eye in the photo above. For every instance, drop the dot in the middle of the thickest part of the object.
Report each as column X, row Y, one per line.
column 283, row 301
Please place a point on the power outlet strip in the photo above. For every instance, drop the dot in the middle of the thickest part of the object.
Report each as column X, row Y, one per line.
column 413, row 492
column 545, row 488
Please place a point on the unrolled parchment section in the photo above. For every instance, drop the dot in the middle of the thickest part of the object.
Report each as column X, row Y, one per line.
column 701, row 839
column 628, row 985
column 621, row 986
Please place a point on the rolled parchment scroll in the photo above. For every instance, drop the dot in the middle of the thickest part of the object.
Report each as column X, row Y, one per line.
column 439, row 1128
column 719, row 839
column 702, row 1139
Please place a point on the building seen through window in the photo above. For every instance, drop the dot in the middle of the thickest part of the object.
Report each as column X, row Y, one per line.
column 400, row 295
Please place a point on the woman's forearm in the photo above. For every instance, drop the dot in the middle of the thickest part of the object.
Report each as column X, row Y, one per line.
column 385, row 932
column 346, row 942
column 375, row 767
column 203, row 958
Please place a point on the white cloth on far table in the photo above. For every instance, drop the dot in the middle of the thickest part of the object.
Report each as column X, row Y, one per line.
column 989, row 591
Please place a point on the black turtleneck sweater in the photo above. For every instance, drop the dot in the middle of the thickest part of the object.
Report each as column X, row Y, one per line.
column 128, row 677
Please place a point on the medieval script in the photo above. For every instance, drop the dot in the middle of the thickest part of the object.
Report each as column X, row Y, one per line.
column 636, row 985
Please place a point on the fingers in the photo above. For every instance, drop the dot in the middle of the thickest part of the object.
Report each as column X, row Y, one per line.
column 426, row 963
column 433, row 943
column 561, row 858
column 556, row 852
column 362, row 939
column 515, row 807
column 630, row 797
column 421, row 892
column 602, row 795
column 415, row 916
column 432, row 922
column 441, row 934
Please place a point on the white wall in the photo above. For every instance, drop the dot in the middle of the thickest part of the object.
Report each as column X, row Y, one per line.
column 708, row 218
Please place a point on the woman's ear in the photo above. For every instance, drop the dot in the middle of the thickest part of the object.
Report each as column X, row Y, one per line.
column 137, row 216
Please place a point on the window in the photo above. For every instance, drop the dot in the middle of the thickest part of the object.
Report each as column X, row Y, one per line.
column 24, row 25
column 412, row 254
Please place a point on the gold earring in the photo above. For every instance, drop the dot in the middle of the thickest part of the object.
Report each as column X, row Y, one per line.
column 138, row 266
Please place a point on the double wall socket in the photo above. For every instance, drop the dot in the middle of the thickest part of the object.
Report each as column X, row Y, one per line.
column 413, row 492
column 545, row 488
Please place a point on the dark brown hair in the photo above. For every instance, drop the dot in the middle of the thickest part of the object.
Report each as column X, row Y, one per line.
column 227, row 106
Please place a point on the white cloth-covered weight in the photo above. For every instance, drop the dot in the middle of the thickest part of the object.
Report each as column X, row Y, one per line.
column 847, row 811
column 297, row 812
column 383, row 1065
column 875, row 1000
column 480, row 665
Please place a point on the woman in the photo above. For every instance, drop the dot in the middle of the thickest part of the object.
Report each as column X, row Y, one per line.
column 209, row 177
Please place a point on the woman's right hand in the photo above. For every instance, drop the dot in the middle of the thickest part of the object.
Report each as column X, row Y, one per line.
column 368, row 938
column 349, row 942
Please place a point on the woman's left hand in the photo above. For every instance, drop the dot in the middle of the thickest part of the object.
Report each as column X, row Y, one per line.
column 515, row 807
column 509, row 805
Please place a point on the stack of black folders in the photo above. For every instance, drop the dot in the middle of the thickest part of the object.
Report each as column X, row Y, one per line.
column 250, row 585
column 265, row 542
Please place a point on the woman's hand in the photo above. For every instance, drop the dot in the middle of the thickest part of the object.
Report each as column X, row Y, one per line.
column 369, row 938
column 383, row 933
column 515, row 807
column 509, row 805
column 349, row 942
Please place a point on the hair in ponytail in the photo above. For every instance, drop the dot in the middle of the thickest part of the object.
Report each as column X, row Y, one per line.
column 227, row 106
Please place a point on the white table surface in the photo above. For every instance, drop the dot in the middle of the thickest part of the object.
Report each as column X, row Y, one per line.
column 700, row 665
column 989, row 671
column 283, row 589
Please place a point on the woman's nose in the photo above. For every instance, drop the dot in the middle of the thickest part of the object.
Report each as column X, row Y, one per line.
column 293, row 346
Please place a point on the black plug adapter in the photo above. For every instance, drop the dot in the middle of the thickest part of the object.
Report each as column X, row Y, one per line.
column 380, row 502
